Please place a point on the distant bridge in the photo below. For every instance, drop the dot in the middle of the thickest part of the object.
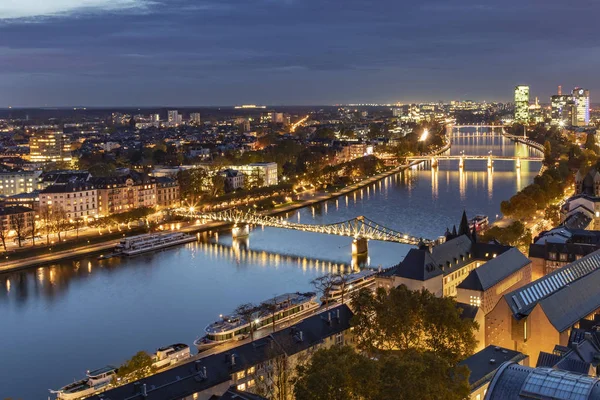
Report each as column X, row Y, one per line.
column 359, row 228
column 462, row 158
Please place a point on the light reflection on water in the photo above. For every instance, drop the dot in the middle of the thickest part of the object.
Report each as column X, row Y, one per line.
column 87, row 313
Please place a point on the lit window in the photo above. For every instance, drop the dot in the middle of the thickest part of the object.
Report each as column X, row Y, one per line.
column 241, row 387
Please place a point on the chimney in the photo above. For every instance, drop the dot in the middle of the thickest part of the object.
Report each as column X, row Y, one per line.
column 198, row 363
column 144, row 392
column 337, row 314
column 232, row 359
column 301, row 336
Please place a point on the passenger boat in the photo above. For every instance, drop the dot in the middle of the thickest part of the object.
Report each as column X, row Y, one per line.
column 479, row 222
column 96, row 381
column 139, row 244
column 170, row 355
column 232, row 327
column 350, row 284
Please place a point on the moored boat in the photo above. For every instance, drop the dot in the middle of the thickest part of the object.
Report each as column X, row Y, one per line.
column 235, row 327
column 170, row 355
column 139, row 244
column 349, row 284
column 479, row 222
column 95, row 381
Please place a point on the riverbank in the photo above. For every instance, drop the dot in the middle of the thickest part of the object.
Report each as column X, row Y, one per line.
column 97, row 249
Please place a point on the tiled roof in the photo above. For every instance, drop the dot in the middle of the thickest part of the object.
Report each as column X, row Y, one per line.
column 495, row 270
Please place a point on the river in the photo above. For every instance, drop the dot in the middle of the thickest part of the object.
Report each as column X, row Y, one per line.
column 58, row 321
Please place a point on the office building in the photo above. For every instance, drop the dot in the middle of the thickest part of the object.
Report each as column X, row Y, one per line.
column 561, row 109
column 522, row 104
column 195, row 118
column 17, row 182
column 581, row 100
column 49, row 145
column 259, row 174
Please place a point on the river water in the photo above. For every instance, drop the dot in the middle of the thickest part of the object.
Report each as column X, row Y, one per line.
column 58, row 321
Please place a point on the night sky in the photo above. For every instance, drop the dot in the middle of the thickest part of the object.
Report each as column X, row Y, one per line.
column 224, row 52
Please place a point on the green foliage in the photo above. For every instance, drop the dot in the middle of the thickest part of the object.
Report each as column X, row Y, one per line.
column 137, row 367
column 402, row 319
column 340, row 373
column 514, row 234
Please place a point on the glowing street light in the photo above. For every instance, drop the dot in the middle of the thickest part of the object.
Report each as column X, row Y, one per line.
column 424, row 135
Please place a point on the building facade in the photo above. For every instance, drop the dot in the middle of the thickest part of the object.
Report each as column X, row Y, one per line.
column 522, row 103
column 125, row 193
column 259, row 174
column 581, row 101
column 167, row 192
column 49, row 145
column 17, row 182
column 561, row 109
column 234, row 180
column 16, row 221
column 78, row 200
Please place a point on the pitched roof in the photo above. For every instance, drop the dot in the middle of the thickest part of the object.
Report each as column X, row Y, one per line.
column 484, row 363
column 495, row 270
column 566, row 295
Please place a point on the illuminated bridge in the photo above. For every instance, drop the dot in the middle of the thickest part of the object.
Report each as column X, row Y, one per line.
column 360, row 228
column 462, row 158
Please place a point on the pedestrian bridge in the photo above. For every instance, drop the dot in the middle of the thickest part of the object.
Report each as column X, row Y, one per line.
column 360, row 228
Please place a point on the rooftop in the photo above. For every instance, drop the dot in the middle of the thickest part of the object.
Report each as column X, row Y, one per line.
column 484, row 363
column 495, row 270
column 566, row 295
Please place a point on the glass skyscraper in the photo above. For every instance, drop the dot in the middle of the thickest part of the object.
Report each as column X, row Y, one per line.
column 581, row 114
column 522, row 103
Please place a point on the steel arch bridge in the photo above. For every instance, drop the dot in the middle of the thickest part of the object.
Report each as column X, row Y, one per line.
column 359, row 227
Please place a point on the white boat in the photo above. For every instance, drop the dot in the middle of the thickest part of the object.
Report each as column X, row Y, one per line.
column 479, row 222
column 139, row 244
column 234, row 327
column 96, row 381
column 170, row 355
column 348, row 285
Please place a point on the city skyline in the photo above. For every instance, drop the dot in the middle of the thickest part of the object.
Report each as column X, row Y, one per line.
column 122, row 53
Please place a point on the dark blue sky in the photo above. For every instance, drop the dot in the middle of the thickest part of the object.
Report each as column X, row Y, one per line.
column 220, row 52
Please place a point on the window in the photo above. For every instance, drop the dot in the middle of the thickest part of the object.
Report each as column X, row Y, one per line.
column 563, row 257
column 250, row 383
column 478, row 397
column 241, row 374
column 250, row 371
column 552, row 256
column 241, row 387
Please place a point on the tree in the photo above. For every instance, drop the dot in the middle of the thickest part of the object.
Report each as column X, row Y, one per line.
column 46, row 217
column 548, row 158
column 4, row 229
column 324, row 284
column 218, row 185
column 137, row 367
column 60, row 222
column 249, row 312
column 552, row 214
column 338, row 373
column 18, row 223
column 402, row 319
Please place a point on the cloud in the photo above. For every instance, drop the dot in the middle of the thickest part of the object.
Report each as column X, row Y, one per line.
column 24, row 9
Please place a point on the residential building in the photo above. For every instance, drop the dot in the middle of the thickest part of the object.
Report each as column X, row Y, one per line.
column 583, row 209
column 30, row 200
column 233, row 180
column 49, row 145
column 124, row 193
column 537, row 316
column 77, row 199
column 15, row 219
column 484, row 364
column 17, row 182
column 559, row 247
column 173, row 118
column 522, row 103
column 195, row 118
column 352, row 151
column 259, row 174
column 62, row 177
column 581, row 355
column 248, row 368
column 562, row 109
column 581, row 114
column 167, row 192
column 514, row 381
